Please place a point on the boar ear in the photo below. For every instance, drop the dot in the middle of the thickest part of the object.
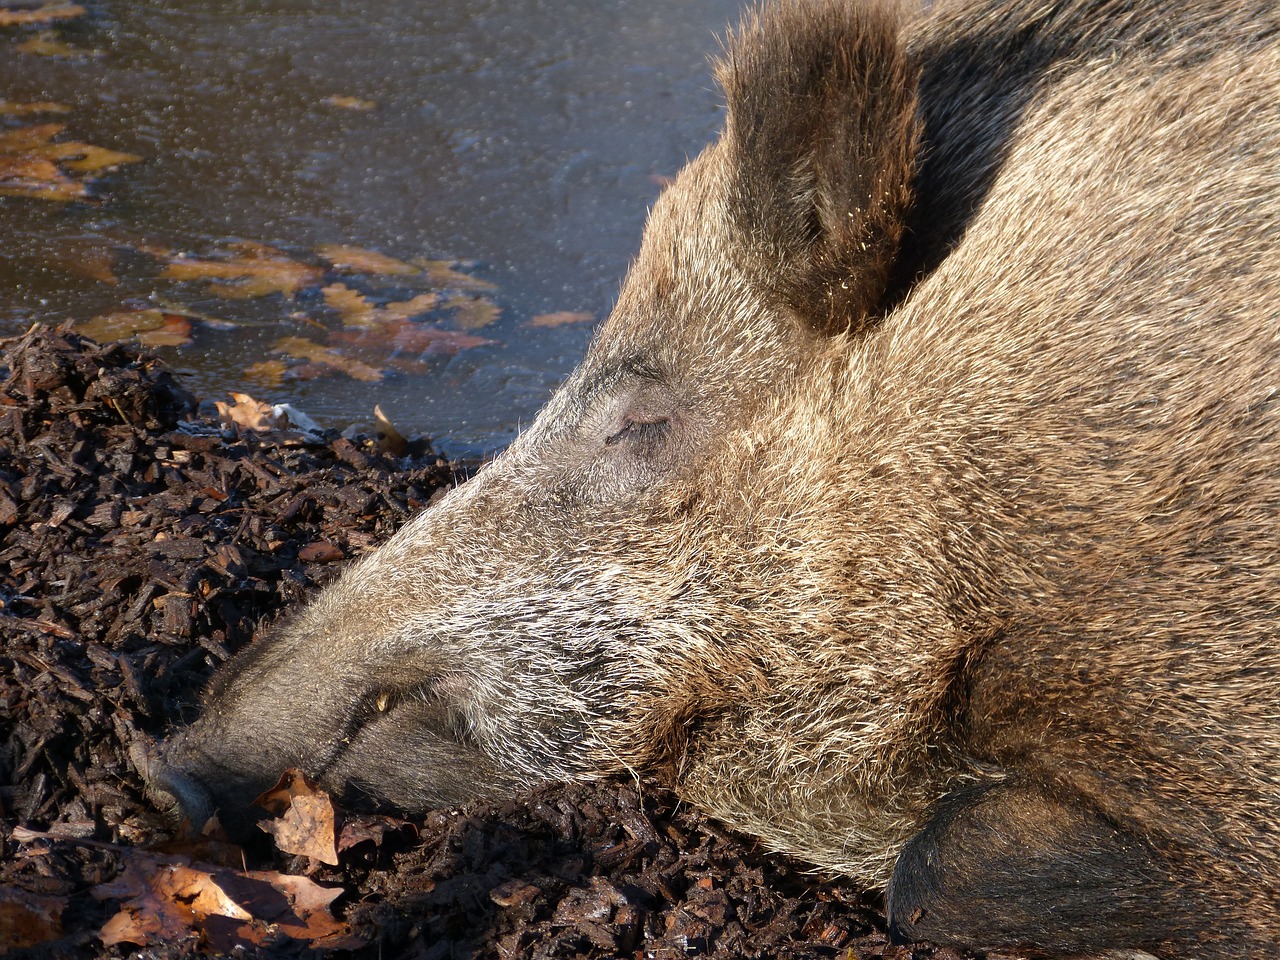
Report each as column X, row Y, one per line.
column 821, row 138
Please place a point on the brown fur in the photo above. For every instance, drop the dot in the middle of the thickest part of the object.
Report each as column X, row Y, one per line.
column 974, row 597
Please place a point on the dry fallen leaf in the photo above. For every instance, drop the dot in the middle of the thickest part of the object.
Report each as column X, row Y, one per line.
column 560, row 318
column 150, row 327
column 166, row 900
column 305, row 821
column 46, row 14
column 473, row 313
column 303, row 349
column 389, row 438
column 258, row 270
column 360, row 260
column 246, row 413
column 321, row 551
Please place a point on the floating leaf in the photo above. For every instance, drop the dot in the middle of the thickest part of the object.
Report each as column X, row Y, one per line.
column 258, row 270
column 304, row 349
column 560, row 319
column 151, row 328
column 267, row 372
column 401, row 335
column 46, row 14
column 357, row 311
column 360, row 104
column 350, row 305
column 89, row 257
column 473, row 313
column 48, row 44
column 32, row 164
column 442, row 273
column 360, row 260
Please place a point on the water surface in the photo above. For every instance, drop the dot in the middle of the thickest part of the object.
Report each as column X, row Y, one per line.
column 528, row 136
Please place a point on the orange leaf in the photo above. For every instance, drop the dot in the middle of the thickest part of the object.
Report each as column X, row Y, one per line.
column 33, row 165
column 46, row 14
column 11, row 108
column 360, row 260
column 472, row 313
column 356, row 311
column 408, row 337
column 350, row 305
column 27, row 919
column 351, row 103
column 442, row 273
column 47, row 44
column 151, row 327
column 322, row 551
column 304, row 349
column 258, row 271
column 307, row 824
column 247, row 413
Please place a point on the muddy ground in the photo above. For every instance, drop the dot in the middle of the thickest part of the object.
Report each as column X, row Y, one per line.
column 141, row 545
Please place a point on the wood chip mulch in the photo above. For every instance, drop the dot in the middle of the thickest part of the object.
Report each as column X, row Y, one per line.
column 141, row 545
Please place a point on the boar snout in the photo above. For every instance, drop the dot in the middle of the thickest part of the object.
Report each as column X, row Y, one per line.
column 180, row 796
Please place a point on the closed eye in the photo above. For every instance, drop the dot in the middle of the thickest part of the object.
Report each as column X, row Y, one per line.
column 640, row 430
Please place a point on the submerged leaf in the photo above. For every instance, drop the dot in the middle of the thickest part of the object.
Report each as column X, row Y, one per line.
column 360, row 260
column 304, row 349
column 46, row 14
column 443, row 274
column 356, row 311
column 359, row 104
column 11, row 108
column 47, row 44
column 258, row 270
column 560, row 318
column 151, row 328
column 32, row 164
column 473, row 313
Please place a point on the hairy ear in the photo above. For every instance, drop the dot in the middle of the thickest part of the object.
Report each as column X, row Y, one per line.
column 821, row 139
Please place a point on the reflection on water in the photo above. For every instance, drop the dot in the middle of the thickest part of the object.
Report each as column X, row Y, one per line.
column 526, row 135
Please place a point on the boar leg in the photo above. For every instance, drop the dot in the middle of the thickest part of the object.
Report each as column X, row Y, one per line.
column 1006, row 866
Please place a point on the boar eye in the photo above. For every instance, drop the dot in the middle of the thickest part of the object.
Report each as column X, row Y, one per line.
column 642, row 430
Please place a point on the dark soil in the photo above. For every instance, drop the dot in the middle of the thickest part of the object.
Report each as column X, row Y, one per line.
column 141, row 545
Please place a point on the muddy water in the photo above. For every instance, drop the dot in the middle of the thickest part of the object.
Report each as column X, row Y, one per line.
column 528, row 136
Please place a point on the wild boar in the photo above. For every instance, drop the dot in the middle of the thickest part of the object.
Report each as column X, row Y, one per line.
column 915, row 511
